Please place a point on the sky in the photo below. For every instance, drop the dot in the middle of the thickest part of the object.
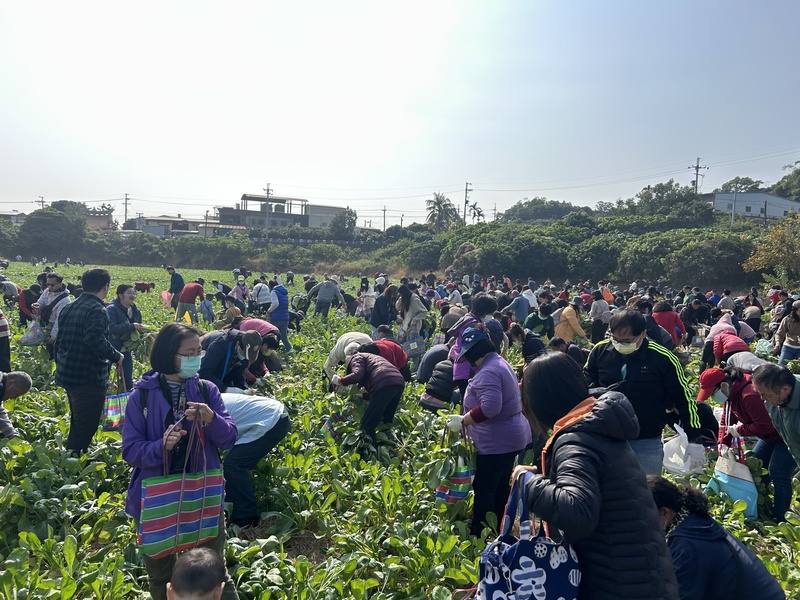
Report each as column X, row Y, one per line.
column 188, row 105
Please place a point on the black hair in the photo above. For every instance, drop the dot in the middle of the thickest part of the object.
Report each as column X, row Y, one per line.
column 545, row 310
column 644, row 306
column 628, row 319
column 662, row 306
column 370, row 348
column 715, row 313
column 556, row 342
column 166, row 345
column 122, row 288
column 482, row 304
column 516, row 330
column 552, row 385
column 54, row 275
column 772, row 376
column 270, row 341
column 668, row 495
column 479, row 350
column 94, row 280
column 385, row 330
column 197, row 572
column 726, row 292
column 201, row 281
column 597, row 295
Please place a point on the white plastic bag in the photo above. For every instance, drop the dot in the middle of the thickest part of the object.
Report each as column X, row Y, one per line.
column 682, row 457
column 33, row 336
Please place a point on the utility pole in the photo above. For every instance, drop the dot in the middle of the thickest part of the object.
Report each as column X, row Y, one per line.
column 467, row 190
column 696, row 168
column 126, row 210
column 733, row 206
column 765, row 214
column 401, row 221
column 205, row 230
column 384, row 217
column 41, row 201
column 494, row 215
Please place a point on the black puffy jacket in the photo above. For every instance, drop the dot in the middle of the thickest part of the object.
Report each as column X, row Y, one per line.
column 440, row 385
column 596, row 493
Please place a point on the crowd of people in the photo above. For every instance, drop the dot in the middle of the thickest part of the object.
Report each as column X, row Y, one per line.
column 585, row 376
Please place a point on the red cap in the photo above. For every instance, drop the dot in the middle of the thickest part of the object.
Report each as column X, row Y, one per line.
column 709, row 381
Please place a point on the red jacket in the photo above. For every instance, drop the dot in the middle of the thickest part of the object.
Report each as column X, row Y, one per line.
column 727, row 342
column 670, row 321
column 191, row 292
column 748, row 408
column 393, row 352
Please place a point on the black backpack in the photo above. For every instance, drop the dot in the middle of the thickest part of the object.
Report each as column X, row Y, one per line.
column 144, row 393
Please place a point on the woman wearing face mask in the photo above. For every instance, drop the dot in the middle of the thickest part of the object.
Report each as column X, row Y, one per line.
column 124, row 318
column 481, row 305
column 228, row 355
column 749, row 418
column 173, row 393
column 494, row 420
column 710, row 564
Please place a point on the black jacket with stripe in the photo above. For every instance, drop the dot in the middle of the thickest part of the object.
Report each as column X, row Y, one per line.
column 652, row 378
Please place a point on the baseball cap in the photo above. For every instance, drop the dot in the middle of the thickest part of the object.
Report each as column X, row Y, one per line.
column 709, row 381
column 470, row 338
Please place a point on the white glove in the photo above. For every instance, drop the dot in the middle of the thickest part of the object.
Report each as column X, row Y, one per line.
column 335, row 380
column 454, row 423
column 734, row 430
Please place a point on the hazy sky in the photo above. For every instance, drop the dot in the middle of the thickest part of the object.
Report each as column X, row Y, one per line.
column 187, row 105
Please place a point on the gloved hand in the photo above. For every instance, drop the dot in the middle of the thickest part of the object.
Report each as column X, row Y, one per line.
column 454, row 423
column 733, row 430
column 335, row 380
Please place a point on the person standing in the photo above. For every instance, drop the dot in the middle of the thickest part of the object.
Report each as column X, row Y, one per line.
column 326, row 292
column 650, row 376
column 598, row 315
column 175, row 285
column 787, row 339
column 494, row 421
column 124, row 318
column 187, row 299
column 279, row 312
column 84, row 355
column 383, row 313
column 49, row 306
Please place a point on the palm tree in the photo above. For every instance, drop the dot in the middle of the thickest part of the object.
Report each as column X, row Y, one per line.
column 441, row 212
column 475, row 212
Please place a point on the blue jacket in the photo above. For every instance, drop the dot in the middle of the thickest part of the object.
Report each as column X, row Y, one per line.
column 711, row 564
column 281, row 313
column 120, row 327
column 176, row 283
column 221, row 365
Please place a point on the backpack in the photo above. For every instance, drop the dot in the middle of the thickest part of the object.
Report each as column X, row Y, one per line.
column 47, row 311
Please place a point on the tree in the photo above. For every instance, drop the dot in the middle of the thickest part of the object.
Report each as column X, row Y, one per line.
column 475, row 212
column 779, row 252
column 673, row 200
column 343, row 225
column 8, row 238
column 540, row 209
column 52, row 233
column 741, row 184
column 441, row 212
column 788, row 185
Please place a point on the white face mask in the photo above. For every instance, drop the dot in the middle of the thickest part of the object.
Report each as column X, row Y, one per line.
column 719, row 396
column 626, row 347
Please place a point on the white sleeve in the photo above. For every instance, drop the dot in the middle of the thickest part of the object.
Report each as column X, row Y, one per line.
column 273, row 301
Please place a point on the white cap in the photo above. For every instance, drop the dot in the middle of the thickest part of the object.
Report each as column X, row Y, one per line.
column 380, row 280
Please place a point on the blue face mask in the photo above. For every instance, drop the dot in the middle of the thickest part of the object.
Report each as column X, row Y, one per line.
column 190, row 365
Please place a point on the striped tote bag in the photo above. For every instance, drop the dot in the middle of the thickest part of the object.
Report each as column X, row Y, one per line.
column 182, row 510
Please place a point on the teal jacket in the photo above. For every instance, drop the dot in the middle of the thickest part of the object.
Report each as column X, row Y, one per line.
column 787, row 420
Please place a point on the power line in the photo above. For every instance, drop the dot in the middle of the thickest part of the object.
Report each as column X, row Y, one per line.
column 697, row 168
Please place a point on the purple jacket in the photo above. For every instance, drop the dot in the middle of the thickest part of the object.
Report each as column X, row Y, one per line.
column 493, row 400
column 461, row 370
column 142, row 445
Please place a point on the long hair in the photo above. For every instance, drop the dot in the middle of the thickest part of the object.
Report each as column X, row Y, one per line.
column 552, row 385
column 667, row 494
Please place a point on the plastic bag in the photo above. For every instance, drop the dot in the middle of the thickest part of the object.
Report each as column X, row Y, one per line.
column 733, row 479
column 34, row 336
column 763, row 348
column 682, row 457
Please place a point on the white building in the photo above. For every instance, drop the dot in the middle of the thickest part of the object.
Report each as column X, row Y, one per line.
column 754, row 204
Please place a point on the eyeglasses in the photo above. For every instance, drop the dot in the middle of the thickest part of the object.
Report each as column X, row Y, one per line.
column 201, row 354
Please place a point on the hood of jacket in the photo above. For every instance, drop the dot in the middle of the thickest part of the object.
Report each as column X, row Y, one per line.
column 149, row 381
column 698, row 528
column 612, row 416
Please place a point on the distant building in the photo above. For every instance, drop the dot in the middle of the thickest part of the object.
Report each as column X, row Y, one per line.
column 101, row 220
column 753, row 204
column 269, row 211
column 165, row 225
column 13, row 217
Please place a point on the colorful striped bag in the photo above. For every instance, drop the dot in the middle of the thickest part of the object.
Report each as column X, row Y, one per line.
column 115, row 406
column 456, row 485
column 183, row 510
